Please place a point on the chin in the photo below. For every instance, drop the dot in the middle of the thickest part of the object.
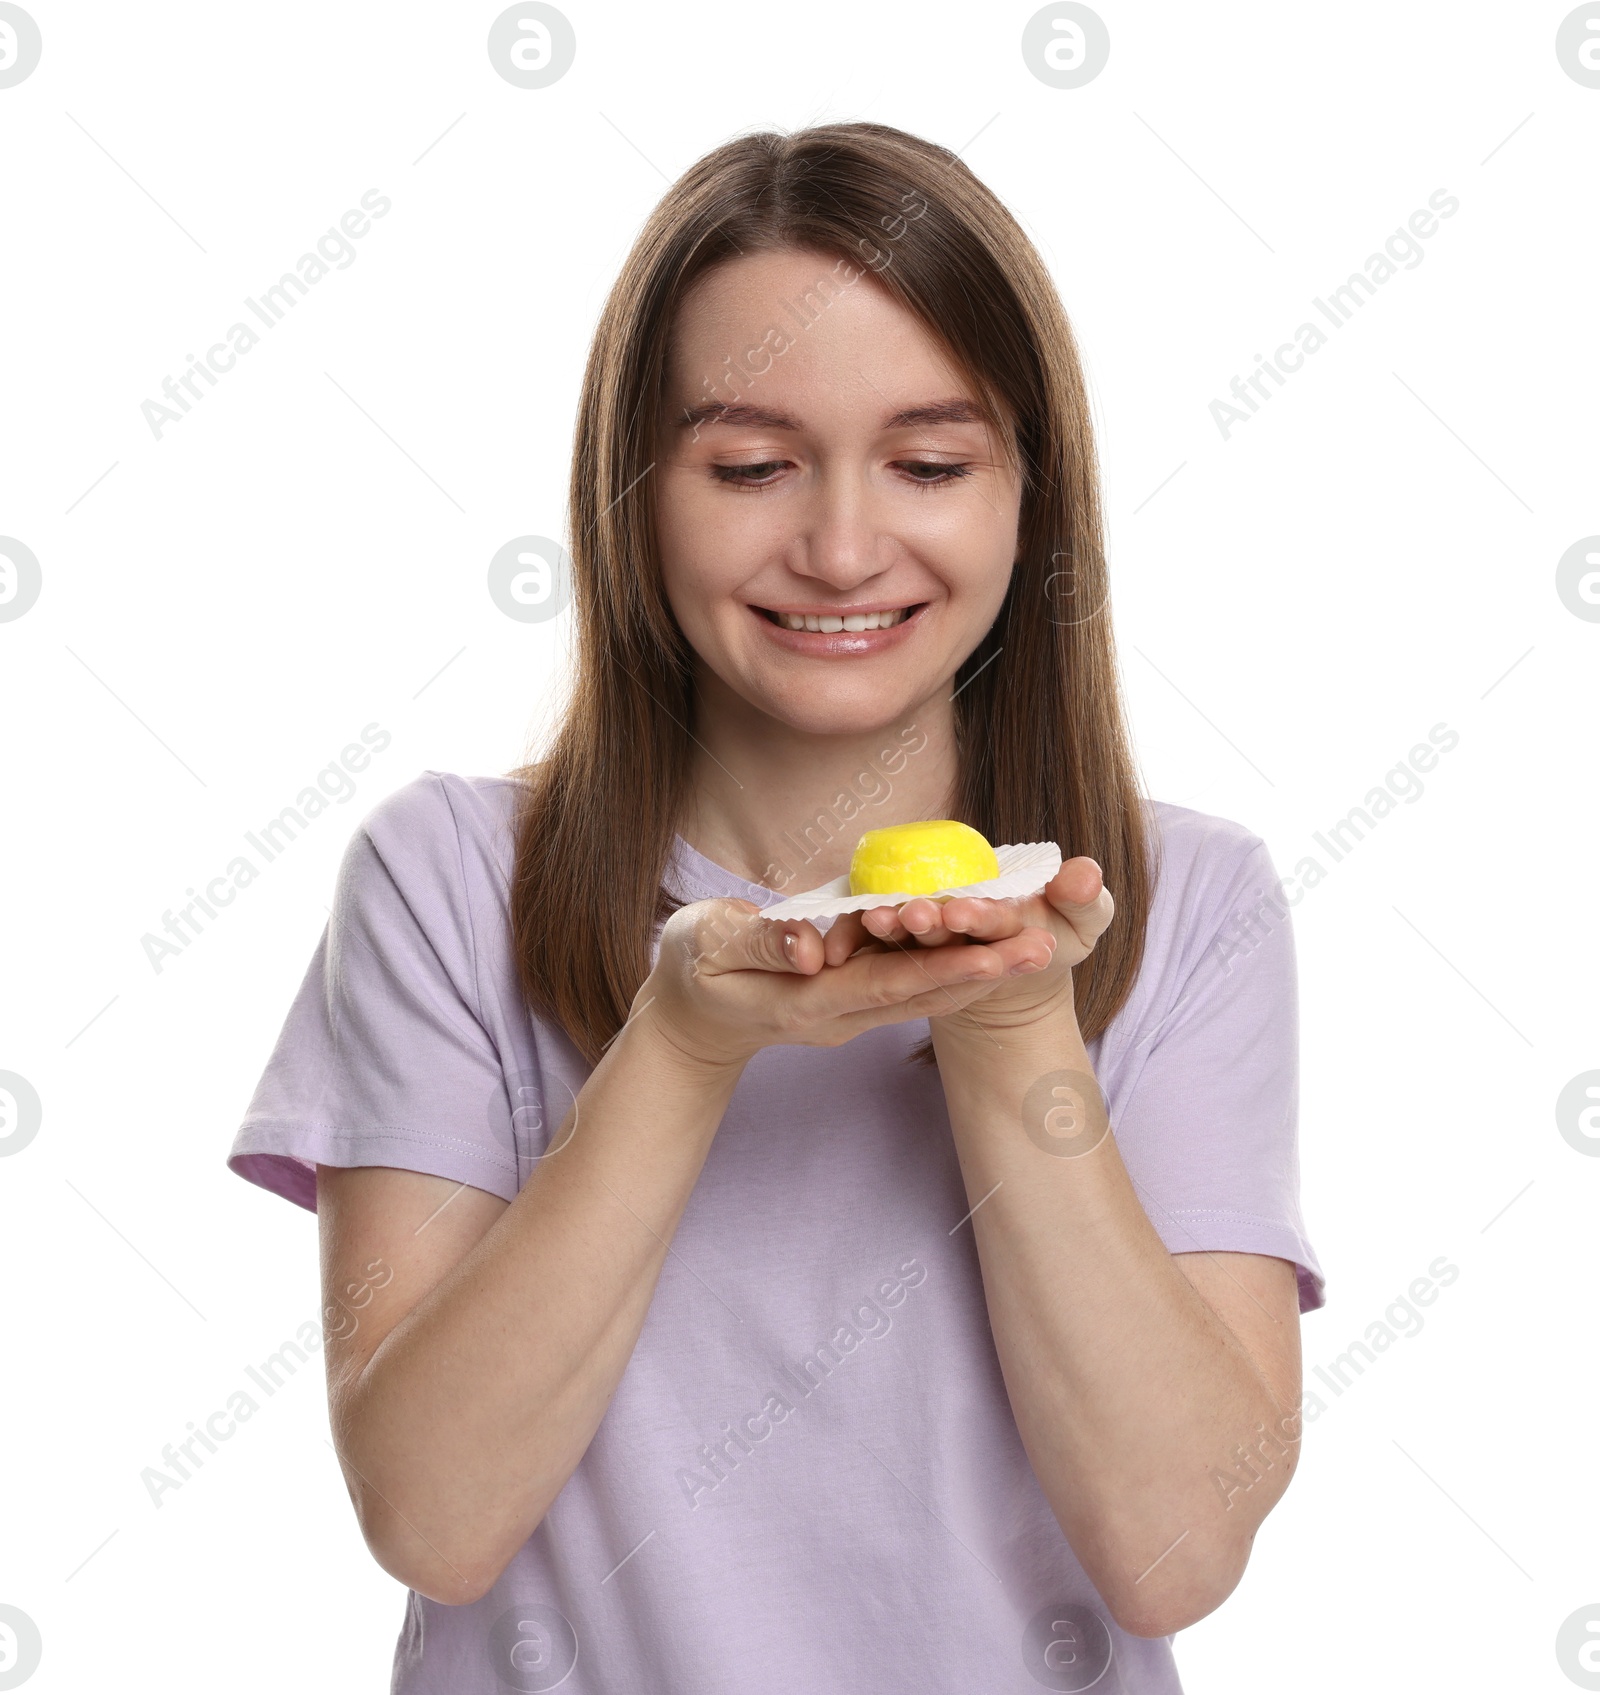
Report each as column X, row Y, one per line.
column 840, row 710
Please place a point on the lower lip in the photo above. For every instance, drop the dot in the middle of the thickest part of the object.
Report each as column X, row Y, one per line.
column 829, row 644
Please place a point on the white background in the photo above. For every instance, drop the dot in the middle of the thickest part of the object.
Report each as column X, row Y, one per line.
column 224, row 608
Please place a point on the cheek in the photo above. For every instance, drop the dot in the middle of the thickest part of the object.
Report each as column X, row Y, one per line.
column 974, row 530
column 976, row 560
column 684, row 537
column 710, row 542
column 702, row 561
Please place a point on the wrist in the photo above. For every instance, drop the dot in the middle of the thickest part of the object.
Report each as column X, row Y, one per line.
column 985, row 1022
column 678, row 1055
column 1038, row 1033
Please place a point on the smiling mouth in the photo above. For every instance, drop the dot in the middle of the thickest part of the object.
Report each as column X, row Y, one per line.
column 829, row 623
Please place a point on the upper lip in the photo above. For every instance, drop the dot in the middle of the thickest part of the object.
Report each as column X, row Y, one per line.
column 841, row 611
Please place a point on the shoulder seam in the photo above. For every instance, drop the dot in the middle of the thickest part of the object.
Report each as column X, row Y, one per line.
column 466, row 898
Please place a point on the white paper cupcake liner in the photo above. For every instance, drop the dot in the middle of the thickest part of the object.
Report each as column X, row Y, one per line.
column 1025, row 868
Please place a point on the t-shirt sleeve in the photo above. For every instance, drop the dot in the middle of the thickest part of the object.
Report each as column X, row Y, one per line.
column 384, row 1058
column 1210, row 1129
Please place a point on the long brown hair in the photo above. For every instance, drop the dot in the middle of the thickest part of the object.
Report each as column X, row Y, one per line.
column 1043, row 751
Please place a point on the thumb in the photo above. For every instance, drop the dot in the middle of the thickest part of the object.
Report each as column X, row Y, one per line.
column 733, row 936
column 1083, row 877
column 1078, row 892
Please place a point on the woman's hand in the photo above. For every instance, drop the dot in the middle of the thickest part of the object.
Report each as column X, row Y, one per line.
column 1062, row 924
column 728, row 982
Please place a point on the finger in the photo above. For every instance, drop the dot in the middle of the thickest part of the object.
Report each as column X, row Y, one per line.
column 846, row 935
column 982, row 918
column 938, row 1002
column 1031, row 949
column 731, row 935
column 889, row 925
column 873, row 979
column 1078, row 893
column 884, row 923
column 938, row 924
column 923, row 918
column 937, row 999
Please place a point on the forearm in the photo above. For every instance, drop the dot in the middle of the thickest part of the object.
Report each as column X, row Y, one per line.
column 474, row 1411
column 1129, row 1392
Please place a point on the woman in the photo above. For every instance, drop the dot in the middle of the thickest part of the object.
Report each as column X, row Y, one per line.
column 719, row 1303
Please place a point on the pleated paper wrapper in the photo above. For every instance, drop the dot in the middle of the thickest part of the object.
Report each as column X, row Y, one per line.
column 1025, row 868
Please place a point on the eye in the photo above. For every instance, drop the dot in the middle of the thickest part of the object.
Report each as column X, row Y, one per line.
column 943, row 473
column 924, row 473
column 747, row 476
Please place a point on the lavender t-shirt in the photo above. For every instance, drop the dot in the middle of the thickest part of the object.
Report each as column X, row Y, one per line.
column 809, row 1478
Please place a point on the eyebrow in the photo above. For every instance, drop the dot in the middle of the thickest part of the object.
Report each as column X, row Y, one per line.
column 952, row 411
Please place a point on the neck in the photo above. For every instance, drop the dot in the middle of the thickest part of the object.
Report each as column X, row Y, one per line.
column 785, row 808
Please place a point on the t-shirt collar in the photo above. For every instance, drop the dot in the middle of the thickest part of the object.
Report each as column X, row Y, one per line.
column 690, row 873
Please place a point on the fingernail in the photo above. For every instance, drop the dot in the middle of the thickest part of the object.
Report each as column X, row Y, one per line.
column 788, row 945
column 1026, row 966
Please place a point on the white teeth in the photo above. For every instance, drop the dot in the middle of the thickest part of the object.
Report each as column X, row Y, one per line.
column 829, row 622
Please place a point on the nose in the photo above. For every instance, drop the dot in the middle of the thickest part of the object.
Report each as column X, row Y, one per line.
column 840, row 540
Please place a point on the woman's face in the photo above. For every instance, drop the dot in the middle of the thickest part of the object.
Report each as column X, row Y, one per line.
column 834, row 464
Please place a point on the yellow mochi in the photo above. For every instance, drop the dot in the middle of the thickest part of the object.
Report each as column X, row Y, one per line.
column 921, row 858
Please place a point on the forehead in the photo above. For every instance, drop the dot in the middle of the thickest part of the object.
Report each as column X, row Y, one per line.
column 955, row 410
column 771, row 339
column 824, row 307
